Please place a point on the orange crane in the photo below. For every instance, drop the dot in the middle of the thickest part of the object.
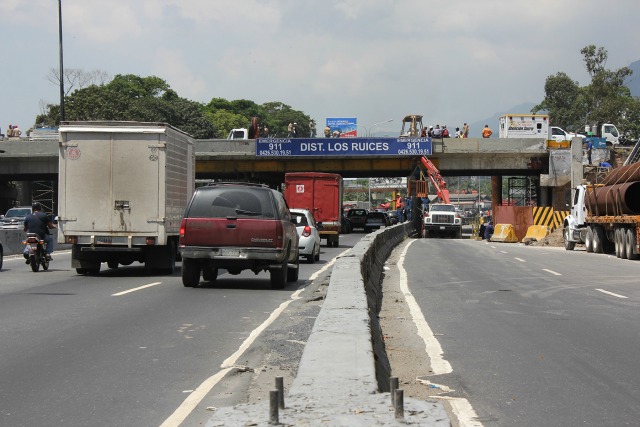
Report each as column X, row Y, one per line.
column 412, row 127
column 436, row 179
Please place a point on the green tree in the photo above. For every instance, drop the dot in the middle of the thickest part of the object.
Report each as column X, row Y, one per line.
column 605, row 99
column 225, row 120
column 560, row 101
column 133, row 98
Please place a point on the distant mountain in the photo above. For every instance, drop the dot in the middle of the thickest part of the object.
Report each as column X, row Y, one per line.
column 633, row 82
column 475, row 129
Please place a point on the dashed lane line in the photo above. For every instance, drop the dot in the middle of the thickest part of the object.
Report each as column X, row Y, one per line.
column 136, row 289
column 612, row 294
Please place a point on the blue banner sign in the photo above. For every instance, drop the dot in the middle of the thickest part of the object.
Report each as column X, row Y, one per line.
column 342, row 127
column 276, row 147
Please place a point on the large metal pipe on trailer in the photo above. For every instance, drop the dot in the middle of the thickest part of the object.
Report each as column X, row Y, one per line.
column 618, row 199
column 623, row 174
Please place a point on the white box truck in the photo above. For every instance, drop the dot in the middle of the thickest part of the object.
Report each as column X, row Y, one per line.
column 123, row 189
column 524, row 126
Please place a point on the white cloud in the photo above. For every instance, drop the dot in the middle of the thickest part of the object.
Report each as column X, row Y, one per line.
column 451, row 61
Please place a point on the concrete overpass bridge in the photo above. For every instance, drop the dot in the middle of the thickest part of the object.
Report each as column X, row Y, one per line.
column 27, row 161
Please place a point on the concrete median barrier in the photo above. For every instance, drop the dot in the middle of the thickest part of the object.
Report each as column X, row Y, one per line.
column 344, row 363
column 536, row 233
column 504, row 233
column 12, row 241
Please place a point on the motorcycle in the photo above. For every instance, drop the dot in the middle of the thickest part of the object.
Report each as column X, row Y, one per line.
column 37, row 254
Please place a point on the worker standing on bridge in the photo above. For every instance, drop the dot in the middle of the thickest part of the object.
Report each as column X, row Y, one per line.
column 312, row 129
column 486, row 132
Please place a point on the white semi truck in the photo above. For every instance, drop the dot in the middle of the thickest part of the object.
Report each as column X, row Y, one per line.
column 606, row 217
column 123, row 189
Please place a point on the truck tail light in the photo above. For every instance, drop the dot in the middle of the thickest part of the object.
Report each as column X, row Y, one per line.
column 306, row 232
column 73, row 240
column 151, row 241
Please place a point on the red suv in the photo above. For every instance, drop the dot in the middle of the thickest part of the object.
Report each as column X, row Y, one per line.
column 238, row 226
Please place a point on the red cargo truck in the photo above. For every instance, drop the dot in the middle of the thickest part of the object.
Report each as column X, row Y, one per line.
column 321, row 193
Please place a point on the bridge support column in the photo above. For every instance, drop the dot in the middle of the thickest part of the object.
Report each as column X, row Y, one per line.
column 496, row 191
column 545, row 196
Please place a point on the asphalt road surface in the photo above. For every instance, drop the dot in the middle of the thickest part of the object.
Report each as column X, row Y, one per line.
column 129, row 348
column 535, row 336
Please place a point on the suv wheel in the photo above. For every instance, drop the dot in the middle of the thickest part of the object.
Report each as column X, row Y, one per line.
column 293, row 272
column 190, row 273
column 279, row 275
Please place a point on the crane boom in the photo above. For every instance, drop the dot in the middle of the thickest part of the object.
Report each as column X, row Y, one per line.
column 436, row 179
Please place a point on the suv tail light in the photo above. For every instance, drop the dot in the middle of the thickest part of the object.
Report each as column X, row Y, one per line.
column 279, row 235
column 183, row 226
column 306, row 232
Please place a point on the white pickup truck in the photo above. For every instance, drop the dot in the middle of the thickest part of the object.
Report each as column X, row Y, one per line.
column 240, row 133
column 442, row 219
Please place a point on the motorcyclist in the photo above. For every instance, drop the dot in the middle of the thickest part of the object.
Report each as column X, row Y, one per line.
column 38, row 222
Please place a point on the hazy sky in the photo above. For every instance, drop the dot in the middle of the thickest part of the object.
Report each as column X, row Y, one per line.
column 451, row 61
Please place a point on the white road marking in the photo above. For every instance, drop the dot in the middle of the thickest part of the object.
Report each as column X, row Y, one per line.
column 552, row 272
column 190, row 403
column 463, row 410
column 315, row 275
column 520, row 259
column 136, row 289
column 504, row 252
column 460, row 407
column 438, row 364
column 612, row 294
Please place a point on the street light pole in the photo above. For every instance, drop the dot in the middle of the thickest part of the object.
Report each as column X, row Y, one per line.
column 376, row 124
column 61, row 63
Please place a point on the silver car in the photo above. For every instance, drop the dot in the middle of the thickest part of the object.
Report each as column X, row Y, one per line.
column 14, row 218
column 309, row 237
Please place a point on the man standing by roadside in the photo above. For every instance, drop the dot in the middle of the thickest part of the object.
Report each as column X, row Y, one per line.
column 400, row 208
column 486, row 132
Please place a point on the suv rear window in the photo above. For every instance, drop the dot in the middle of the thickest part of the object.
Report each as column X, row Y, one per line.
column 239, row 202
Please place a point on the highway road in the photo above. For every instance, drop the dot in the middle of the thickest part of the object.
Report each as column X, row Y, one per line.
column 129, row 348
column 529, row 336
